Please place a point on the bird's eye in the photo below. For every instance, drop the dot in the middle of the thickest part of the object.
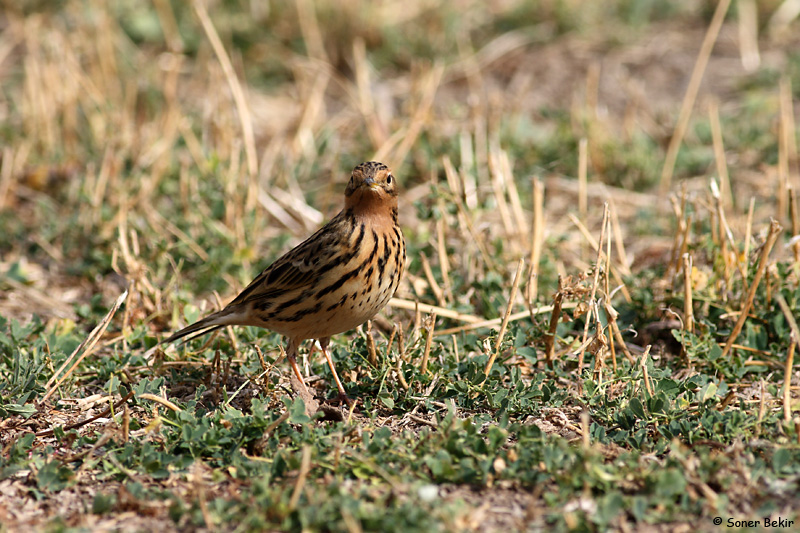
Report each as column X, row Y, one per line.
column 389, row 179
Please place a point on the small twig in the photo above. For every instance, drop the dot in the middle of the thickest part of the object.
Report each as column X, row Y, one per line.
column 372, row 353
column 643, row 364
column 555, row 316
column 400, row 377
column 280, row 420
column 595, row 279
column 163, row 401
column 430, row 326
column 774, row 231
column 688, row 314
column 509, row 307
column 787, row 375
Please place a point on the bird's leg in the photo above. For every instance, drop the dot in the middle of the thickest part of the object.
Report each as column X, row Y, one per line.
column 300, row 386
column 323, row 344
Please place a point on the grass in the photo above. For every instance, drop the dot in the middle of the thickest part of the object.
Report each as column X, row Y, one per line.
column 639, row 374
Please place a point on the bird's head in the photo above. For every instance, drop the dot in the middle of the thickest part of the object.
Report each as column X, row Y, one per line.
column 372, row 189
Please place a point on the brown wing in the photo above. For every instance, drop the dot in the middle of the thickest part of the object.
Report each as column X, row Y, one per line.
column 297, row 269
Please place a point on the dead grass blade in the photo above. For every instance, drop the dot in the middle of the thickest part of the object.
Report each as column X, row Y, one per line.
column 511, row 298
column 427, row 308
column 691, row 94
column 245, row 118
column 86, row 347
column 774, row 231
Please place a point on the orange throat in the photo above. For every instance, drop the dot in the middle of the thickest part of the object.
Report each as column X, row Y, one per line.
column 371, row 204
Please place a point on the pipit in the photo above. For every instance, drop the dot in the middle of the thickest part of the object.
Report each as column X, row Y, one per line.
column 336, row 279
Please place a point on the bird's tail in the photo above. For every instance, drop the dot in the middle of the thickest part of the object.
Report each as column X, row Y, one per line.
column 208, row 324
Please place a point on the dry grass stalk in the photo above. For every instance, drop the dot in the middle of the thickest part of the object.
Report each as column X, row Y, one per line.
column 595, row 280
column 468, row 186
column 235, row 86
column 585, row 437
column 787, row 149
column 169, row 25
column 596, row 247
column 430, row 326
column 163, row 401
column 437, row 290
column 748, row 231
column 645, row 374
column 619, row 242
column 788, row 131
column 126, row 423
column 400, row 377
column 537, row 241
column 6, row 174
column 86, row 347
column 795, row 219
column 748, row 34
column 607, row 295
column 555, row 315
column 463, row 216
column 583, row 171
column 719, row 153
column 678, row 210
column 688, row 314
column 691, row 94
column 498, row 182
column 726, row 236
column 513, row 194
column 787, row 376
column 372, row 353
column 511, row 297
column 787, row 382
column 774, row 231
column 390, row 342
column 598, row 345
column 615, row 331
column 455, row 349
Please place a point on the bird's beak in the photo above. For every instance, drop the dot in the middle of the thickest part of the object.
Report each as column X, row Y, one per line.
column 371, row 183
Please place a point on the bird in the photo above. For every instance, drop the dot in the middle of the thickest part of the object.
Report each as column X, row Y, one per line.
column 337, row 279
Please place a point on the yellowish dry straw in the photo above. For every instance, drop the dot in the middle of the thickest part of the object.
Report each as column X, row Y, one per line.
column 239, row 99
column 787, row 374
column 691, row 94
column 509, row 307
column 774, row 231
